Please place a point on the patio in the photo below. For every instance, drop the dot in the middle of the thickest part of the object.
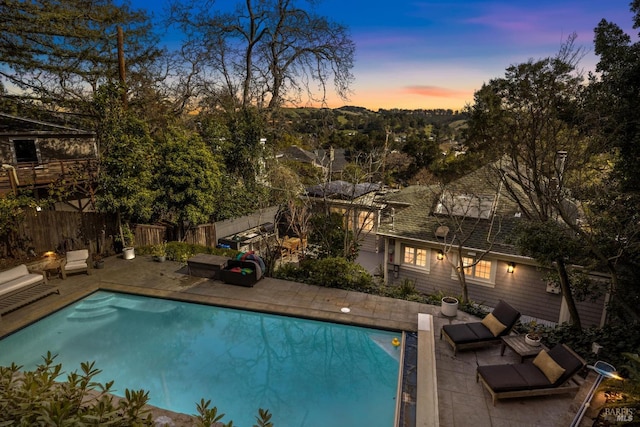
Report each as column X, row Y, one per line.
column 461, row 401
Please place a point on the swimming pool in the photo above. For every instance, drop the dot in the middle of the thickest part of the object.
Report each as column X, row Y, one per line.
column 307, row 373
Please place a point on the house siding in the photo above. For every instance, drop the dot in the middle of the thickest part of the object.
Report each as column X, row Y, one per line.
column 525, row 289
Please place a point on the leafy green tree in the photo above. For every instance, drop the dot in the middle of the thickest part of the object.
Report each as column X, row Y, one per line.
column 329, row 233
column 13, row 208
column 127, row 158
column 617, row 90
column 60, row 52
column 529, row 120
column 187, row 179
column 612, row 197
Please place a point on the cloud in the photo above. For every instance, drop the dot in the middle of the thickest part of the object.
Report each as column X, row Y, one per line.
column 436, row 91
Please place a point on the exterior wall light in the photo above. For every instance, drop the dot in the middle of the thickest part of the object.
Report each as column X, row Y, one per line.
column 511, row 267
column 440, row 255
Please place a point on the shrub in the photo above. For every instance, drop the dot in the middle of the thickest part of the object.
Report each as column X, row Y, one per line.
column 36, row 398
column 331, row 273
column 181, row 251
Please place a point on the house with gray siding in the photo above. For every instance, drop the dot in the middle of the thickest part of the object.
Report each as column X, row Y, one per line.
column 427, row 229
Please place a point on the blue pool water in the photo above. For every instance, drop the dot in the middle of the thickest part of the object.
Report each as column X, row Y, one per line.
column 307, row 373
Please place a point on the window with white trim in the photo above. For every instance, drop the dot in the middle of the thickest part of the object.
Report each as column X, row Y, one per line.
column 365, row 220
column 415, row 256
column 482, row 271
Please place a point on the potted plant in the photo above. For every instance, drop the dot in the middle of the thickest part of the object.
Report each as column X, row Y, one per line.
column 449, row 306
column 98, row 261
column 159, row 252
column 128, row 251
column 533, row 337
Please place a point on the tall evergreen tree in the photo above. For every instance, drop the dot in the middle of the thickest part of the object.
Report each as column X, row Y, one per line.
column 58, row 52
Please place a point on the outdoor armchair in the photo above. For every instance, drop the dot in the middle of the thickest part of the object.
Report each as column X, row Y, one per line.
column 75, row 262
column 480, row 334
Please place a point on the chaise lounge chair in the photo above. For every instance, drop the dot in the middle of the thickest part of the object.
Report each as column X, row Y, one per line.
column 480, row 334
column 549, row 373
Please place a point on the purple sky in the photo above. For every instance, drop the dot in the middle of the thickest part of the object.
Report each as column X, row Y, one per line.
column 436, row 54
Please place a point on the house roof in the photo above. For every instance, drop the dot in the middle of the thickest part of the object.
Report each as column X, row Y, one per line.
column 342, row 190
column 413, row 214
column 299, row 154
column 339, row 160
column 13, row 125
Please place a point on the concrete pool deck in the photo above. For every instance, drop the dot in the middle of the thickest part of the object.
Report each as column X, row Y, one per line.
column 460, row 400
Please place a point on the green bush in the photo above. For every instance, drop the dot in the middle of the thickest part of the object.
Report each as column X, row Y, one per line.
column 181, row 252
column 37, row 398
column 331, row 273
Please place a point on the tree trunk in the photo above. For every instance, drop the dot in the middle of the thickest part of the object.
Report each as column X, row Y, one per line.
column 566, row 292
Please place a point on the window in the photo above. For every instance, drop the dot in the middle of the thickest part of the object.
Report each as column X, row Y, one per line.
column 465, row 205
column 413, row 256
column 482, row 271
column 365, row 220
column 25, row 150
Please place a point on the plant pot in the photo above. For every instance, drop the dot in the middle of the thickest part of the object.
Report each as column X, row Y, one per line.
column 160, row 258
column 533, row 342
column 98, row 264
column 128, row 253
column 449, row 307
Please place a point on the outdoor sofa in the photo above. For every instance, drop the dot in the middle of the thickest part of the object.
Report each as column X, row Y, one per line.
column 19, row 287
column 551, row 372
column 242, row 273
column 496, row 324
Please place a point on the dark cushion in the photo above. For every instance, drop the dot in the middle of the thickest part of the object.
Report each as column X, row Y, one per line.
column 523, row 376
column 460, row 333
column 568, row 360
column 464, row 333
column 507, row 315
column 481, row 331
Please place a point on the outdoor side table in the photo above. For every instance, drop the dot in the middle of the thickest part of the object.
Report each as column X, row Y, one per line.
column 52, row 268
column 521, row 348
column 205, row 265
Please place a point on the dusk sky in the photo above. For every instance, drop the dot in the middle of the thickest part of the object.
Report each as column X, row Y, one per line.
column 436, row 54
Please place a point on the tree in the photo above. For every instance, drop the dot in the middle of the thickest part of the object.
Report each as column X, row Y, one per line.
column 464, row 215
column 187, row 179
column 529, row 120
column 60, row 52
column 611, row 197
column 617, row 90
column 265, row 53
column 127, row 156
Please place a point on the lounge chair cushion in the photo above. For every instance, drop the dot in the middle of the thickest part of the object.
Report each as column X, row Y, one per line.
column 568, row 360
column 528, row 376
column 548, row 366
column 77, row 260
column 523, row 376
column 506, row 314
column 463, row 333
column 493, row 324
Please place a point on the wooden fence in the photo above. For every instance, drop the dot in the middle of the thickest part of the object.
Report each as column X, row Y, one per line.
column 63, row 231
